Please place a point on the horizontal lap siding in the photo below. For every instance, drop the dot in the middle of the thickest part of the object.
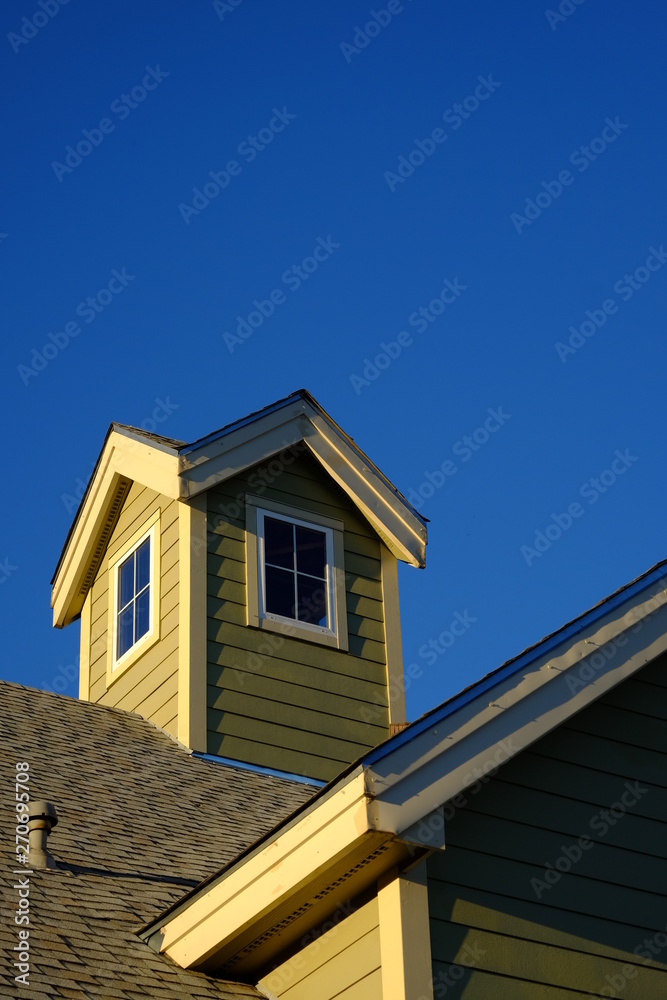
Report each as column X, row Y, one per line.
column 150, row 685
column 343, row 963
column 494, row 932
column 280, row 701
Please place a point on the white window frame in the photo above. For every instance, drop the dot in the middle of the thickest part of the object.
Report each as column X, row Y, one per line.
column 257, row 509
column 117, row 665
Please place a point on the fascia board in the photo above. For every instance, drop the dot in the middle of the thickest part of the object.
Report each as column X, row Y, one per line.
column 457, row 751
column 148, row 463
column 230, row 455
column 218, row 916
column 123, row 457
column 223, row 458
column 404, row 533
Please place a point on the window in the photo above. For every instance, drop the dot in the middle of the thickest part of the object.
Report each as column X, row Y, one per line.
column 133, row 603
column 134, row 585
column 296, row 580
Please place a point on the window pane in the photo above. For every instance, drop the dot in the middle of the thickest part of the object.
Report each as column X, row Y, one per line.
column 312, row 600
column 142, row 614
column 278, row 542
column 311, row 552
column 125, row 631
column 126, row 582
column 279, row 592
column 143, row 556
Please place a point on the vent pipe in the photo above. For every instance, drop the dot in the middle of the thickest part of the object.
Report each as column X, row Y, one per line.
column 41, row 821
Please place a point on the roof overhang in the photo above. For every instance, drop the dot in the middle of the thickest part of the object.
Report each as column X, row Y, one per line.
column 388, row 811
column 182, row 472
column 299, row 418
column 127, row 456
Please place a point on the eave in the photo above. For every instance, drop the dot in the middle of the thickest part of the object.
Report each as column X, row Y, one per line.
column 182, row 472
column 299, row 418
column 127, row 456
column 387, row 810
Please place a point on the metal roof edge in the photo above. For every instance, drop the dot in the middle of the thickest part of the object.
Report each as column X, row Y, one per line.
column 514, row 665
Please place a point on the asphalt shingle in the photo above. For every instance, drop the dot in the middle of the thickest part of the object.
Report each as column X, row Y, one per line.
column 140, row 821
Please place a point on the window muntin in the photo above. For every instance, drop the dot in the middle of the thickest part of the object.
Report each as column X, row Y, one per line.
column 134, row 595
column 134, row 598
column 296, row 571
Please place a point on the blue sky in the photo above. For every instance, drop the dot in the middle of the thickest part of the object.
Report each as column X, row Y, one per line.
column 485, row 184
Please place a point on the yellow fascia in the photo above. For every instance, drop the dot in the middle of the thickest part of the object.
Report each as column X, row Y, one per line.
column 123, row 458
column 272, row 875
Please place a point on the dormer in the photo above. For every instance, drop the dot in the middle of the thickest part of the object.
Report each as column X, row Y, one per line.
column 241, row 591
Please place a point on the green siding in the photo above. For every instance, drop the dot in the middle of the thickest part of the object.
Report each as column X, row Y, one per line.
column 149, row 686
column 284, row 702
column 494, row 932
column 343, row 963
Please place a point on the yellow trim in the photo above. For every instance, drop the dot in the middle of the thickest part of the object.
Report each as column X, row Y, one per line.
column 130, row 456
column 84, row 654
column 392, row 637
column 405, row 942
column 390, row 515
column 123, row 457
column 143, row 645
column 215, row 920
column 192, row 623
column 371, row 820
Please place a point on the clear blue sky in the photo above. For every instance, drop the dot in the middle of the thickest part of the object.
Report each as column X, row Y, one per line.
column 502, row 163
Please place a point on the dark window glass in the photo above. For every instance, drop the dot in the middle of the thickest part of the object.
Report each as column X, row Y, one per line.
column 312, row 600
column 295, row 571
column 311, row 552
column 279, row 591
column 126, row 582
column 134, row 596
column 278, row 542
column 125, row 630
column 143, row 556
column 142, row 614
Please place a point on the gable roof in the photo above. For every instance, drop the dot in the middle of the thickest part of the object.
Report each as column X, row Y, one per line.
column 140, row 821
column 182, row 471
column 388, row 806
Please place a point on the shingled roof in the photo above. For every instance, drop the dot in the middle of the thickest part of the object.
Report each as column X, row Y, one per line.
column 141, row 821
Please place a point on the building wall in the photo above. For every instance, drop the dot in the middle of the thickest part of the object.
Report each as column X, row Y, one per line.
column 150, row 685
column 520, row 907
column 281, row 701
column 343, row 962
